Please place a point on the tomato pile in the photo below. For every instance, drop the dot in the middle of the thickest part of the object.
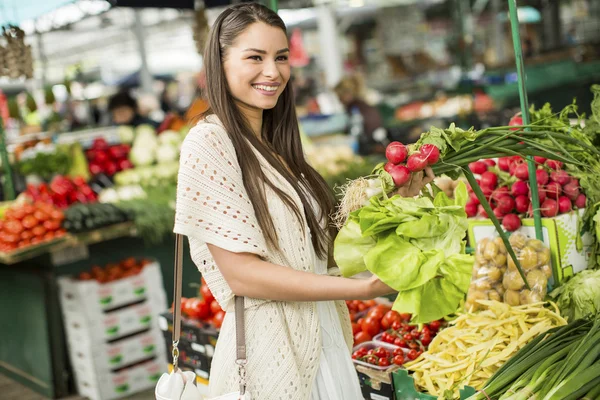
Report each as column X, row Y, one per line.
column 107, row 159
column 411, row 337
column 381, row 357
column 397, row 153
column 205, row 308
column 369, row 319
column 29, row 224
column 114, row 271
column 62, row 192
column 507, row 189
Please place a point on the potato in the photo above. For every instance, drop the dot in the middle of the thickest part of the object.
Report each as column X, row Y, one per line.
column 517, row 240
column 546, row 270
column 499, row 260
column 511, row 264
column 483, row 284
column 480, row 259
column 478, row 295
column 481, row 245
column 494, row 274
column 529, row 297
column 500, row 245
column 536, row 244
column 500, row 289
column 543, row 256
column 528, row 258
column 491, row 250
column 511, row 297
column 512, row 280
column 537, row 279
column 493, row 295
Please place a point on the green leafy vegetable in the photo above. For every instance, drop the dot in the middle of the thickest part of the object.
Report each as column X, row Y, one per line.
column 580, row 296
column 414, row 245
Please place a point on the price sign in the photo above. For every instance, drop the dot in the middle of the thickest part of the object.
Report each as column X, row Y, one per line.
column 70, row 255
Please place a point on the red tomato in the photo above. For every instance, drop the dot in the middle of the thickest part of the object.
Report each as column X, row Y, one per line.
column 360, row 321
column 361, row 307
column 406, row 317
column 435, row 325
column 13, row 226
column 356, row 328
column 372, row 360
column 201, row 309
column 361, row 352
column 49, row 235
column 408, row 337
column 398, row 351
column 188, row 306
column 361, row 337
column 206, row 294
column 41, row 216
column 39, row 231
column 184, row 300
column 370, row 303
column 384, row 362
column 215, row 307
column 370, row 326
column 389, row 318
column 412, row 354
column 425, row 339
column 29, row 222
column 85, row 276
column 218, row 319
column 352, row 316
column 396, row 325
column 381, row 352
column 378, row 311
column 399, row 359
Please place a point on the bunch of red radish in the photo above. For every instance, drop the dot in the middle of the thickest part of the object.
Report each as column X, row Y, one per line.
column 397, row 153
column 558, row 192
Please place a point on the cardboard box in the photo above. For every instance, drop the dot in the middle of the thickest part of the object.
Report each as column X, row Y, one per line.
column 203, row 335
column 104, row 327
column 111, row 356
column 121, row 383
column 96, row 298
column 569, row 247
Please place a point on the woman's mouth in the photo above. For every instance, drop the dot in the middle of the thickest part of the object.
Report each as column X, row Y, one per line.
column 267, row 90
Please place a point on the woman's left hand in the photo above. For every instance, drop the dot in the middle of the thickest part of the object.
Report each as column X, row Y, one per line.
column 417, row 182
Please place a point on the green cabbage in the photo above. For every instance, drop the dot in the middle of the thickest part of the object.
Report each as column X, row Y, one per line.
column 414, row 245
column 580, row 296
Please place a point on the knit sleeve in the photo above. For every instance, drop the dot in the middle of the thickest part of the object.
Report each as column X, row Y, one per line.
column 212, row 203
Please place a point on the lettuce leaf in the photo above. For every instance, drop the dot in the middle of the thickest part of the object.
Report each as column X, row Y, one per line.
column 350, row 248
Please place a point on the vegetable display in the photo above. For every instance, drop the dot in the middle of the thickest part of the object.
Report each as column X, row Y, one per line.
column 415, row 246
column 476, row 345
column 204, row 308
column 107, row 159
column 114, row 271
column 563, row 364
column 29, row 224
column 580, row 296
column 380, row 356
column 87, row 217
column 62, row 192
column 495, row 276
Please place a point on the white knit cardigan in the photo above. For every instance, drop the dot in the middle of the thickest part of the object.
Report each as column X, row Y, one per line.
column 283, row 338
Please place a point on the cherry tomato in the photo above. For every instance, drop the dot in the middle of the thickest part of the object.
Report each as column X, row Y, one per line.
column 370, row 326
column 384, row 362
column 425, row 329
column 361, row 337
column 415, row 332
column 399, row 359
column 362, row 351
column 371, row 360
column 408, row 337
column 389, row 318
column 396, row 325
column 370, row 303
column 405, row 317
column 398, row 351
column 413, row 354
column 435, row 325
column 425, row 339
column 381, row 352
column 413, row 345
column 401, row 343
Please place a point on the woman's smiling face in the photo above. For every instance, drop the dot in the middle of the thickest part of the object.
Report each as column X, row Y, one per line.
column 257, row 67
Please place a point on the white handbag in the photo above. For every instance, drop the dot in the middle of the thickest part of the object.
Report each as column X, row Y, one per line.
column 181, row 385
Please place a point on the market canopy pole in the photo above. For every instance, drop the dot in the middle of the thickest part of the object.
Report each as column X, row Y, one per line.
column 516, row 37
column 145, row 76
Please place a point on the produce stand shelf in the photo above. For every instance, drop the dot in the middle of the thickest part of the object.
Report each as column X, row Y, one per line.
column 69, row 241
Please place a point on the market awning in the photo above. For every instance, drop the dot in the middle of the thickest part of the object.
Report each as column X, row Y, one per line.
column 17, row 11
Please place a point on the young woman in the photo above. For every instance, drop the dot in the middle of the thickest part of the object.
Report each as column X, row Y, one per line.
column 256, row 215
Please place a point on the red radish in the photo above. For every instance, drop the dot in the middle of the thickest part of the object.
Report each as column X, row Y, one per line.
column 539, row 160
column 388, row 166
column 549, row 208
column 564, row 204
column 500, row 192
column 522, row 204
column 473, row 198
column 396, row 152
column 504, row 163
column 416, row 162
column 575, row 181
column 519, row 188
column 580, row 201
column 553, row 164
column 542, row 176
column 489, row 162
column 571, row 190
column 513, row 167
column 518, row 159
column 511, row 222
column 431, row 152
column 516, row 120
column 542, row 194
column 505, row 204
column 481, row 212
column 487, row 191
column 560, row 177
column 471, row 209
column 522, row 172
column 400, row 174
column 478, row 167
column 554, row 190
column 499, row 213
column 489, row 179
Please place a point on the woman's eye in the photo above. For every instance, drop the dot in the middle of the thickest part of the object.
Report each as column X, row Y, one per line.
column 282, row 58
column 256, row 58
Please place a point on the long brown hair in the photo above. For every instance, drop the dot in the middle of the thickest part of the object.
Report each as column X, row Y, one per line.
column 280, row 133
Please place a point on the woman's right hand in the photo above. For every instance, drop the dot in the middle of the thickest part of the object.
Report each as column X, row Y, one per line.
column 377, row 288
